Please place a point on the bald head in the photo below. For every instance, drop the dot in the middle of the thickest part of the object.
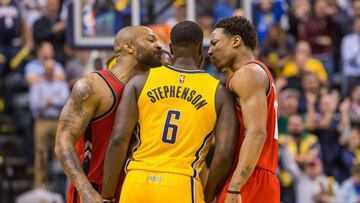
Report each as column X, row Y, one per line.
column 139, row 43
column 130, row 34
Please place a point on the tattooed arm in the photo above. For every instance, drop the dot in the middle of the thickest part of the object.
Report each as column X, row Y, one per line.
column 250, row 84
column 74, row 119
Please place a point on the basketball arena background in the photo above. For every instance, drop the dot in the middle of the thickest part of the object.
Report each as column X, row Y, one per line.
column 311, row 46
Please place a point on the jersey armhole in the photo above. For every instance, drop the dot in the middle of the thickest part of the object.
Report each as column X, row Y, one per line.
column 113, row 103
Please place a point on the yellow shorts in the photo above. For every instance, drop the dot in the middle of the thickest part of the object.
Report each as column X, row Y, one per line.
column 150, row 187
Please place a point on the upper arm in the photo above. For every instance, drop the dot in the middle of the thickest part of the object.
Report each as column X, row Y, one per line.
column 79, row 109
column 127, row 113
column 226, row 129
column 250, row 84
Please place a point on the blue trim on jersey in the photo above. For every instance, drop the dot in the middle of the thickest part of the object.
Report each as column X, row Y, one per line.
column 198, row 152
column 183, row 70
column 193, row 190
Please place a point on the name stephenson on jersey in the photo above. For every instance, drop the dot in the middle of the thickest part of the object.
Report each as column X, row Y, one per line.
column 179, row 92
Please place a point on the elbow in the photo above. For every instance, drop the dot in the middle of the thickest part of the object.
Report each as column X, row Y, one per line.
column 260, row 135
column 58, row 150
column 226, row 155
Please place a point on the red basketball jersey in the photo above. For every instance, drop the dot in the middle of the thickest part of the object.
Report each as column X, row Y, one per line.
column 268, row 159
column 269, row 156
column 93, row 145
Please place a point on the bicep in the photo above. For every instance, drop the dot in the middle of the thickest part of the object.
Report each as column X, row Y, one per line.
column 251, row 88
column 254, row 110
column 127, row 114
column 78, row 111
column 227, row 124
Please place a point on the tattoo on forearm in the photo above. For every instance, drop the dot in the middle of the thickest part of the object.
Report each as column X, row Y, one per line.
column 73, row 121
column 69, row 159
column 246, row 172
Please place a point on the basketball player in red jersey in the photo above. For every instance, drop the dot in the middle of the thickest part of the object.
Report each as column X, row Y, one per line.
column 253, row 177
column 86, row 121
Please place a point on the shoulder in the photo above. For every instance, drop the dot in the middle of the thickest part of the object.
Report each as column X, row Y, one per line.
column 86, row 88
column 253, row 75
column 348, row 183
column 33, row 66
column 349, row 38
column 137, row 82
column 59, row 67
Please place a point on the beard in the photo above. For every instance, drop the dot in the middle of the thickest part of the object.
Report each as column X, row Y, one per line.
column 149, row 59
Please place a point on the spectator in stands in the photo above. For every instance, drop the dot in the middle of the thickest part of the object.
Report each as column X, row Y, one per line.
column 303, row 62
column 288, row 106
column 350, row 189
column 39, row 195
column 350, row 51
column 179, row 13
column 351, row 154
column 299, row 12
column 47, row 97
column 299, row 141
column 51, row 28
column 311, row 184
column 266, row 13
column 34, row 70
column 324, row 123
column 277, row 49
column 76, row 65
column 319, row 31
column 310, row 85
column 354, row 112
column 15, row 35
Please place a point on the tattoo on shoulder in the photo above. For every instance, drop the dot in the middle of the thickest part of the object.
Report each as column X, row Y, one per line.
column 246, row 173
column 82, row 91
column 74, row 119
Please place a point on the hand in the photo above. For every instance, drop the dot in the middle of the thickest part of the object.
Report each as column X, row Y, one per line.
column 281, row 83
column 58, row 27
column 358, row 200
column 310, row 98
column 324, row 40
column 91, row 196
column 233, row 198
column 345, row 105
column 334, row 101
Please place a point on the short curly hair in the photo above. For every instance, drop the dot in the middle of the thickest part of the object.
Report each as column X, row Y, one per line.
column 239, row 25
column 186, row 33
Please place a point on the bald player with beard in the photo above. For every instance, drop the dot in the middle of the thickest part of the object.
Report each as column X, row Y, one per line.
column 86, row 121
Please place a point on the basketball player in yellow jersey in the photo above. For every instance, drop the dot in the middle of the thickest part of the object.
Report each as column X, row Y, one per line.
column 177, row 109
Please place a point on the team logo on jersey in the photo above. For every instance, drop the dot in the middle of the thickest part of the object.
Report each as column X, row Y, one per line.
column 182, row 78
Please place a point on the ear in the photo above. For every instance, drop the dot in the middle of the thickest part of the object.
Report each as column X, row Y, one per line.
column 236, row 41
column 171, row 49
column 201, row 49
column 128, row 47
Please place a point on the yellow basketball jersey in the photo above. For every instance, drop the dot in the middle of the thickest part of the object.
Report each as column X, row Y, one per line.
column 177, row 116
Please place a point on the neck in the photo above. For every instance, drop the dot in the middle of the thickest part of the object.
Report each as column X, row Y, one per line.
column 187, row 63
column 49, row 78
column 125, row 69
column 242, row 58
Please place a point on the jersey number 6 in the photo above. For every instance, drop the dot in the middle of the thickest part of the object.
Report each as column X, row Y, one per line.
column 172, row 114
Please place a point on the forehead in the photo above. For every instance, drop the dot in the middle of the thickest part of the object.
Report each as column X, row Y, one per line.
column 144, row 33
column 219, row 33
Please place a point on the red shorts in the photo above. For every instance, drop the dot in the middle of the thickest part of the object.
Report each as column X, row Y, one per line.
column 262, row 186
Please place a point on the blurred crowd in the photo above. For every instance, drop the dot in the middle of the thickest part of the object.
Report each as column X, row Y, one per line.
column 311, row 47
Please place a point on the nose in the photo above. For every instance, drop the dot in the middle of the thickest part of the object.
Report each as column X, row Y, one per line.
column 157, row 46
column 210, row 52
